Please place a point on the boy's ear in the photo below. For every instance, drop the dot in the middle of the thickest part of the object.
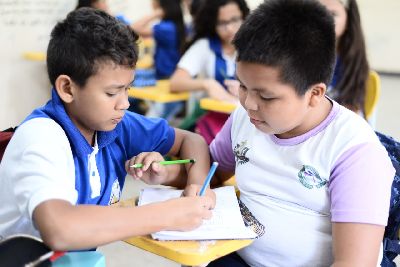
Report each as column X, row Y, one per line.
column 317, row 94
column 65, row 88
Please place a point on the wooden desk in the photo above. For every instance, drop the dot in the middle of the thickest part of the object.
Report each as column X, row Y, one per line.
column 216, row 105
column 158, row 93
column 190, row 253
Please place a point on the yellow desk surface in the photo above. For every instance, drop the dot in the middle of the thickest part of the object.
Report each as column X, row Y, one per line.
column 216, row 105
column 190, row 253
column 158, row 93
column 143, row 63
column 35, row 56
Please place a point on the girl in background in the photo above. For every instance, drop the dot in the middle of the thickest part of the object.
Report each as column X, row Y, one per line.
column 211, row 55
column 169, row 36
column 349, row 81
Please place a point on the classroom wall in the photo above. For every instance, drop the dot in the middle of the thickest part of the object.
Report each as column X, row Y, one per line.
column 25, row 25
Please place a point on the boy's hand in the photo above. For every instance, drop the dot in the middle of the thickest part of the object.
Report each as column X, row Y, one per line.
column 194, row 190
column 152, row 172
column 188, row 213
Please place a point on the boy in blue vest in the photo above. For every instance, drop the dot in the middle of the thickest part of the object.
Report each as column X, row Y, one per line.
column 312, row 172
column 69, row 158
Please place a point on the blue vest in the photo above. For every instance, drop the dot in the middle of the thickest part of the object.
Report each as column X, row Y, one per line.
column 220, row 63
column 133, row 135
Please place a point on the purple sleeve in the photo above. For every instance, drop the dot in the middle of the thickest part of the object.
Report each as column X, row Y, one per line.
column 360, row 185
column 221, row 148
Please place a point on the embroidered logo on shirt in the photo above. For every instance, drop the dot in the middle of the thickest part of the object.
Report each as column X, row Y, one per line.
column 115, row 193
column 240, row 151
column 310, row 178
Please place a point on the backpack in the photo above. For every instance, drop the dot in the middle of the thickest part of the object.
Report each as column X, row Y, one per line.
column 391, row 242
column 5, row 137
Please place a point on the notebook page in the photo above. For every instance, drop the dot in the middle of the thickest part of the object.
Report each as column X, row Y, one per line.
column 226, row 222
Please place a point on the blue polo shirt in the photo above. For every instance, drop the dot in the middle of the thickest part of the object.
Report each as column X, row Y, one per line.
column 166, row 54
column 133, row 135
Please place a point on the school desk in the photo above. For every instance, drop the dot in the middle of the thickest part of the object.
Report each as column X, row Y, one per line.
column 34, row 56
column 158, row 93
column 217, row 105
column 189, row 253
column 143, row 63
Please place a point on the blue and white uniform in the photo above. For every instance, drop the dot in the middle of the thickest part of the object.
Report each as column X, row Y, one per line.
column 48, row 158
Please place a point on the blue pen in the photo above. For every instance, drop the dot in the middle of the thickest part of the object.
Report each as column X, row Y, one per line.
column 208, row 179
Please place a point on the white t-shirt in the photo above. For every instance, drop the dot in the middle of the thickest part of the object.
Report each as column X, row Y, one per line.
column 199, row 59
column 296, row 188
column 48, row 157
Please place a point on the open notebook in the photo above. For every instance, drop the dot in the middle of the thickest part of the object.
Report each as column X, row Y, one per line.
column 226, row 223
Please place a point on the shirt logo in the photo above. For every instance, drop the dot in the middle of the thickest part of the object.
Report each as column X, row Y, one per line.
column 240, row 151
column 310, row 178
column 115, row 193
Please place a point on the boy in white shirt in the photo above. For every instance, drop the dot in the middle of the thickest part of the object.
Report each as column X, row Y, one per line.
column 311, row 171
column 67, row 162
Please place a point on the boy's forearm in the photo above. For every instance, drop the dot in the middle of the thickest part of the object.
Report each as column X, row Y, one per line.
column 66, row 227
column 194, row 146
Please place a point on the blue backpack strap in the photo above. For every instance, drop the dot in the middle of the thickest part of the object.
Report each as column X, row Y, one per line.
column 391, row 245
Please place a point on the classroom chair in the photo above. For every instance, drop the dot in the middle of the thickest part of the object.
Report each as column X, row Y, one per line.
column 372, row 94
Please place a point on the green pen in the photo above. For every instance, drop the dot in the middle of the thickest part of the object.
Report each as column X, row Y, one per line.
column 167, row 162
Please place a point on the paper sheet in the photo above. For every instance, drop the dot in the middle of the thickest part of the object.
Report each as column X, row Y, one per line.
column 226, row 222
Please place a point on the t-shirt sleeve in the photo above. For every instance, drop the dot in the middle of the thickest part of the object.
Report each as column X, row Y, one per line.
column 43, row 165
column 360, row 185
column 221, row 148
column 195, row 58
column 143, row 134
column 165, row 34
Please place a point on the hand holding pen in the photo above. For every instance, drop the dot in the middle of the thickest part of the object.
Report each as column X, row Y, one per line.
column 203, row 190
column 148, row 167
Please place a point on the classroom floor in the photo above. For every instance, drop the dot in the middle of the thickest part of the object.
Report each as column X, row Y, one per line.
column 120, row 254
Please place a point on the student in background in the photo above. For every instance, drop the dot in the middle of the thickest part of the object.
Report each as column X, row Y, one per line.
column 211, row 55
column 169, row 34
column 68, row 160
column 309, row 170
column 349, row 81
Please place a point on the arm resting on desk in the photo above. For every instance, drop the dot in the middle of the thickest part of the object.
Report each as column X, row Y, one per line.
column 64, row 226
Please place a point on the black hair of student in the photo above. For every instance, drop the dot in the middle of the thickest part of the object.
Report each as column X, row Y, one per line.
column 354, row 63
column 205, row 20
column 173, row 11
column 195, row 6
column 295, row 36
column 86, row 39
column 85, row 3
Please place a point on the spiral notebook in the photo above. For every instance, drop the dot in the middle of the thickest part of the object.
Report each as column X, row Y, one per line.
column 226, row 222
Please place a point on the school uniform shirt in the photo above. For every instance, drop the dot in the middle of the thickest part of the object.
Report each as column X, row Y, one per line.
column 199, row 59
column 167, row 52
column 296, row 187
column 48, row 158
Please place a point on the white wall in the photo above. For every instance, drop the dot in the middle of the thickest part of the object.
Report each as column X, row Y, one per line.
column 25, row 25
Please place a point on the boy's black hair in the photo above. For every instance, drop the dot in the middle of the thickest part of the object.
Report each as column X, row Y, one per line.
column 86, row 39
column 295, row 36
